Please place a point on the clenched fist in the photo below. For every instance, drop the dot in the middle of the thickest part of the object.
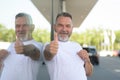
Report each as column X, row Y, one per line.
column 3, row 54
column 84, row 55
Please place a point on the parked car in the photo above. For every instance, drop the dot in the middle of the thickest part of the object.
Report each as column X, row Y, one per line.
column 118, row 53
column 93, row 55
column 106, row 53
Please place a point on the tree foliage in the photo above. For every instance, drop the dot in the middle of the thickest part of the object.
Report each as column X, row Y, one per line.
column 41, row 35
column 89, row 37
column 7, row 35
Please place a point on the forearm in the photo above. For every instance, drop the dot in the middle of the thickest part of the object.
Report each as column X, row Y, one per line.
column 47, row 54
column 88, row 68
column 32, row 52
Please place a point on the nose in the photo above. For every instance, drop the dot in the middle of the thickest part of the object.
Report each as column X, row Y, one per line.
column 21, row 28
column 64, row 28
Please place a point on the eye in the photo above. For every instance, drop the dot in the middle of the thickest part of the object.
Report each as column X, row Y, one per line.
column 17, row 26
column 59, row 25
column 25, row 25
column 68, row 26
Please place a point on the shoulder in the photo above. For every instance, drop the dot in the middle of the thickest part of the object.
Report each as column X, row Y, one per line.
column 46, row 43
column 38, row 45
column 11, row 45
column 75, row 43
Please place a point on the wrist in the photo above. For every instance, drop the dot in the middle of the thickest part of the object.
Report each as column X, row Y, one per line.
column 29, row 50
column 87, row 61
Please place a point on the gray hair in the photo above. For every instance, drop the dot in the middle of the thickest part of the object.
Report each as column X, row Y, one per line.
column 64, row 14
column 28, row 17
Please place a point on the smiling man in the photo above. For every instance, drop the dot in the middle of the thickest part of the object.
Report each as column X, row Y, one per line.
column 65, row 59
column 22, row 62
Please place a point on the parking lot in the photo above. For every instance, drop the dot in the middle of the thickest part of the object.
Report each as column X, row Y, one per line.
column 108, row 69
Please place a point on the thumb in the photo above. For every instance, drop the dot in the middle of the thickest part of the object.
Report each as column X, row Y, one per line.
column 18, row 42
column 55, row 37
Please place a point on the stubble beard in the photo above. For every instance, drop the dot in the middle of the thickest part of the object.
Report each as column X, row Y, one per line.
column 63, row 39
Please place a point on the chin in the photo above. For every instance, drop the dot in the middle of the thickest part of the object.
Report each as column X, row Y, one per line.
column 63, row 39
column 23, row 39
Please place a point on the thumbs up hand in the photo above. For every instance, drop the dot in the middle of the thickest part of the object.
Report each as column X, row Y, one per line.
column 55, row 37
column 53, row 47
column 19, row 47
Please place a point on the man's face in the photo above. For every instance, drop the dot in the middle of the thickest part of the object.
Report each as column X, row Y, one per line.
column 64, row 28
column 22, row 28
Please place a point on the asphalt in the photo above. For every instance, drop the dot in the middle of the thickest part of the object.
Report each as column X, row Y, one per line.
column 43, row 73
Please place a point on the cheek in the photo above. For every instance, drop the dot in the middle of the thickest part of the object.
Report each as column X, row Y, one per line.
column 70, row 30
column 57, row 30
column 16, row 30
column 27, row 29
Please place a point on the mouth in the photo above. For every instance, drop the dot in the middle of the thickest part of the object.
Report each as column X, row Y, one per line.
column 63, row 36
column 64, row 33
column 21, row 34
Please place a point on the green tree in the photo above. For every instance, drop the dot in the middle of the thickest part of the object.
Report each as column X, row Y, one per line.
column 117, row 40
column 41, row 35
column 89, row 37
column 7, row 35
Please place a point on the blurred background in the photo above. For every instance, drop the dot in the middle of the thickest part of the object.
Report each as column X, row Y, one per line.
column 96, row 23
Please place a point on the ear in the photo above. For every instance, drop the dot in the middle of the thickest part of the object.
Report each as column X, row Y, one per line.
column 32, row 27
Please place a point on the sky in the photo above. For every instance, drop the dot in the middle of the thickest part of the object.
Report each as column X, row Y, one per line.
column 105, row 14
column 9, row 8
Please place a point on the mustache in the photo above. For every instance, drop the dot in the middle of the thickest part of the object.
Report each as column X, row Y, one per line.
column 64, row 32
column 21, row 33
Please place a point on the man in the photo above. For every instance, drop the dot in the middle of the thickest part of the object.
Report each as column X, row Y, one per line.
column 22, row 62
column 65, row 59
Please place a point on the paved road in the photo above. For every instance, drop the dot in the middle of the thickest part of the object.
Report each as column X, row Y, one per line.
column 109, row 69
column 43, row 75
